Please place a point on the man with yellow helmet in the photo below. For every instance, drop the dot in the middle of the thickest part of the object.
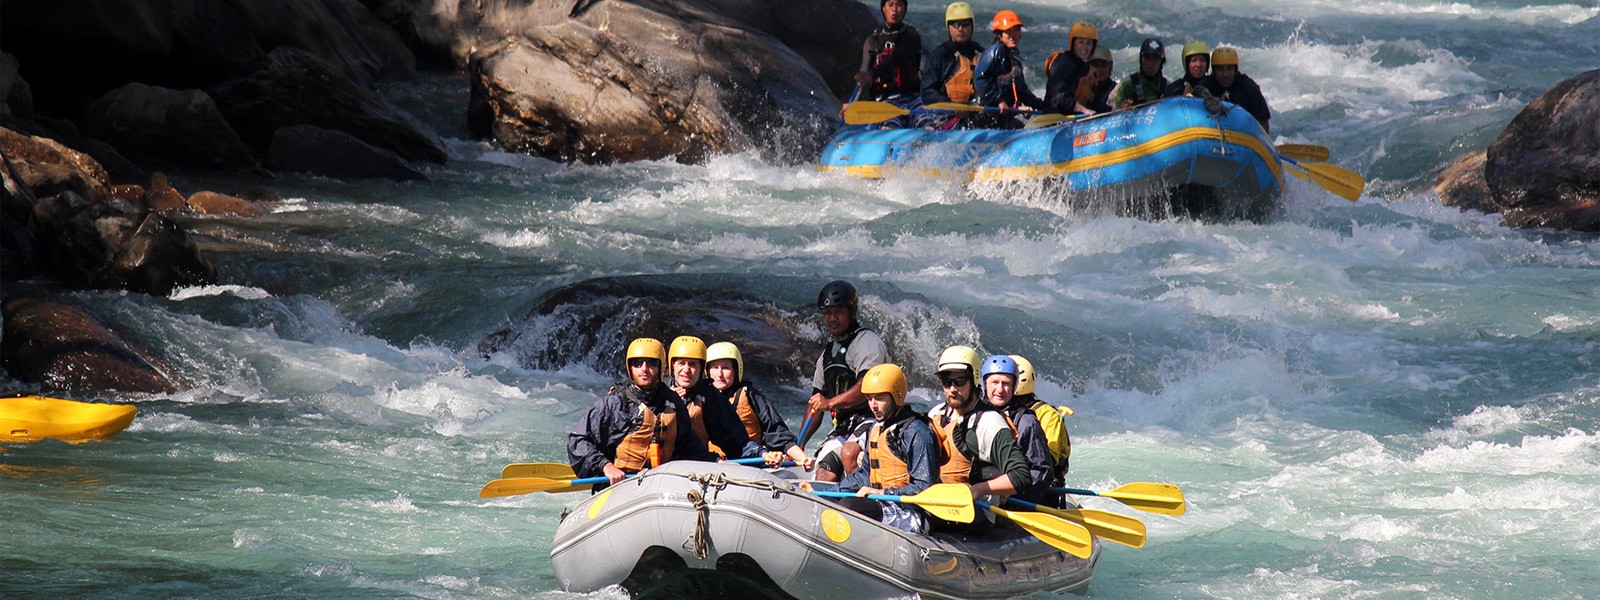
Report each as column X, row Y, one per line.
column 901, row 454
column 1227, row 83
column 1067, row 69
column 977, row 444
column 891, row 62
column 1196, row 61
column 712, row 419
column 1051, row 421
column 759, row 418
column 637, row 425
column 947, row 69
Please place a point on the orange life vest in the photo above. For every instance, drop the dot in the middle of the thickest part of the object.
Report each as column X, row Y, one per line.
column 959, row 86
column 888, row 470
column 651, row 443
column 697, row 422
column 1051, row 60
column 746, row 409
column 954, row 465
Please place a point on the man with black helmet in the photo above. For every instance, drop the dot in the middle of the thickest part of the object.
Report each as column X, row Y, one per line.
column 836, row 383
column 1146, row 84
column 891, row 62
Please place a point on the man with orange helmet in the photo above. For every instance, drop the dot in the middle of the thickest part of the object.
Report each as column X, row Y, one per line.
column 1000, row 78
column 1227, row 83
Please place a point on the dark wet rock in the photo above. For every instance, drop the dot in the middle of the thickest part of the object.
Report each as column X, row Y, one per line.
column 309, row 149
column 16, row 98
column 294, row 87
column 19, row 243
column 213, row 203
column 590, row 323
column 159, row 258
column 117, row 166
column 160, row 126
column 1462, row 185
column 47, row 167
column 62, row 346
column 162, row 197
column 1544, row 168
column 83, row 236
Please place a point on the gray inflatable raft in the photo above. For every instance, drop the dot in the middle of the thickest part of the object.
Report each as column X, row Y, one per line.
column 715, row 527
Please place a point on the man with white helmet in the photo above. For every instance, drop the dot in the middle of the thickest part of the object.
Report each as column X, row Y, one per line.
column 977, row 445
column 1227, row 83
column 760, row 419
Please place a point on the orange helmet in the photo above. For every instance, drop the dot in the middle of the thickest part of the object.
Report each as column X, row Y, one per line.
column 1083, row 30
column 1004, row 20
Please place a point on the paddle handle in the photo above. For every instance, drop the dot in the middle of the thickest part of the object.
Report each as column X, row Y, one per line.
column 1062, row 490
column 883, row 497
column 1026, row 505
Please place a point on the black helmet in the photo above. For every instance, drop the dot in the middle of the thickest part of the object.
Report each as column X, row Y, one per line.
column 838, row 293
column 1152, row 47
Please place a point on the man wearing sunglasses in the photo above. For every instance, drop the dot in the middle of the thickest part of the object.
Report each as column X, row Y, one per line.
column 978, row 445
column 947, row 70
column 638, row 425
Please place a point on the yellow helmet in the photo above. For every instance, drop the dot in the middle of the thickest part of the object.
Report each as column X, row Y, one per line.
column 1225, row 56
column 1083, row 30
column 958, row 11
column 1024, row 376
column 959, row 357
column 645, row 348
column 886, row 378
column 1192, row 48
column 688, row 346
column 728, row 351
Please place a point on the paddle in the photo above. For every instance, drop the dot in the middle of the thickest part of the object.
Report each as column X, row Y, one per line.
column 867, row 111
column 948, row 501
column 1339, row 181
column 1061, row 534
column 1306, row 152
column 1048, row 120
column 1162, row 498
column 1121, row 529
column 521, row 478
column 805, row 428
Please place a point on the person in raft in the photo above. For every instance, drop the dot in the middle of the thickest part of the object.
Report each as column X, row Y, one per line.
column 1000, row 79
column 836, row 385
column 710, row 418
column 901, row 454
column 891, row 63
column 947, row 69
column 1000, row 375
column 637, row 425
column 977, row 444
column 759, row 417
column 1068, row 69
column 1227, row 83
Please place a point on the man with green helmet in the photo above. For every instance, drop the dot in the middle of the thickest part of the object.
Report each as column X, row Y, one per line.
column 1196, row 61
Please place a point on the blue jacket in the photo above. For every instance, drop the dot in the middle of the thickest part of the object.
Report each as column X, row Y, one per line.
column 1000, row 77
column 594, row 438
column 915, row 445
column 1245, row 93
column 941, row 64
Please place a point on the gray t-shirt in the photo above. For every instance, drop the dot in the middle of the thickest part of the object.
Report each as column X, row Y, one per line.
column 865, row 352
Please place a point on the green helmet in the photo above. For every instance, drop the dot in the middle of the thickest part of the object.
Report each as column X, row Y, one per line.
column 1192, row 48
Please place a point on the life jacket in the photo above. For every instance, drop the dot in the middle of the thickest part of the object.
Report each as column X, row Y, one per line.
column 697, row 423
column 1085, row 95
column 1142, row 91
column 838, row 376
column 746, row 409
column 650, row 441
column 888, row 469
column 1055, row 433
column 955, row 461
column 1050, row 60
column 959, row 87
column 905, row 77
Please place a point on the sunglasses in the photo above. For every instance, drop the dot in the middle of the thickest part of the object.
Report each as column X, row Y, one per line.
column 640, row 362
column 962, row 23
column 951, row 382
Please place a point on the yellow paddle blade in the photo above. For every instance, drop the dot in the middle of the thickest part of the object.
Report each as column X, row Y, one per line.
column 1304, row 152
column 1162, row 498
column 1339, row 181
column 867, row 111
column 528, row 485
column 1121, row 529
column 954, row 106
column 948, row 501
column 548, row 470
column 1048, row 120
column 1061, row 534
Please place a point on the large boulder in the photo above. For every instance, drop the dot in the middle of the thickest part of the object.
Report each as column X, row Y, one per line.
column 61, row 346
column 159, row 126
column 1462, row 185
column 1544, row 169
column 640, row 80
column 294, row 87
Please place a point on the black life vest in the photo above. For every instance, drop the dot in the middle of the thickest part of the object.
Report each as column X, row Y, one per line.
column 838, row 376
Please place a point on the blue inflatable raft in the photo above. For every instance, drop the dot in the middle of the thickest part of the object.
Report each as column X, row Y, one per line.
column 1175, row 157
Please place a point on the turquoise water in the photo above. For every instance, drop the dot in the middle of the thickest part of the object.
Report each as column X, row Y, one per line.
column 1381, row 399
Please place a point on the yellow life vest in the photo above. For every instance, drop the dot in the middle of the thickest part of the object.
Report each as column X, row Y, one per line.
column 1055, row 433
column 651, row 443
column 888, row 470
column 959, row 87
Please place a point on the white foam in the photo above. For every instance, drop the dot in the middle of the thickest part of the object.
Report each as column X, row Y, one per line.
column 201, row 291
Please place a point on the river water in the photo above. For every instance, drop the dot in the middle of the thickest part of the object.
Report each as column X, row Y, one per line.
column 1379, row 399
